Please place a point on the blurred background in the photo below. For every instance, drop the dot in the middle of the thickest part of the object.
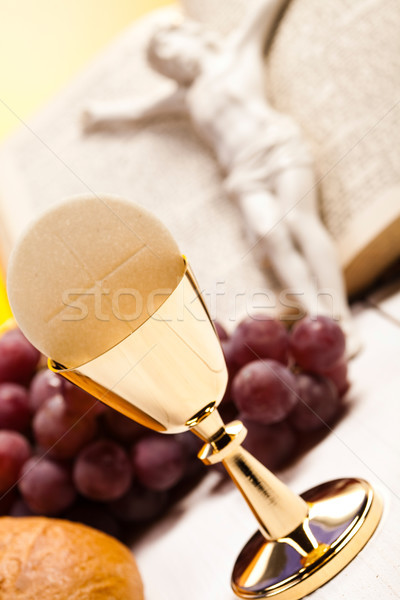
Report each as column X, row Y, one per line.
column 43, row 44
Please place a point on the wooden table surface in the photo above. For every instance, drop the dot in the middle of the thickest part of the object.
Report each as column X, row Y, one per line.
column 191, row 552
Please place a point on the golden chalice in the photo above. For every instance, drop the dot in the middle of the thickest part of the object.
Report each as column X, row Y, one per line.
column 169, row 374
column 303, row 541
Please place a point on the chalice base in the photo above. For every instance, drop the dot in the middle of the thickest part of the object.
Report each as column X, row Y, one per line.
column 343, row 515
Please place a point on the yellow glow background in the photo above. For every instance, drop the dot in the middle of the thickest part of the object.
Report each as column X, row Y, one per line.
column 43, row 44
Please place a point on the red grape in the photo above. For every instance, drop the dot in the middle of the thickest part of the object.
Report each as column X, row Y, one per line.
column 318, row 405
column 227, row 410
column 61, row 432
column 317, row 343
column 18, row 358
column 94, row 515
column 103, row 471
column 7, row 500
column 221, row 331
column 191, row 445
column 265, row 391
column 338, row 375
column 44, row 385
column 121, row 427
column 80, row 402
column 139, row 504
column 272, row 445
column 20, row 509
column 231, row 364
column 232, row 367
column 14, row 407
column 14, row 452
column 46, row 486
column 159, row 462
column 260, row 337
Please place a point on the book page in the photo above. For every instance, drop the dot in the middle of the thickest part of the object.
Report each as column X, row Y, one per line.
column 335, row 67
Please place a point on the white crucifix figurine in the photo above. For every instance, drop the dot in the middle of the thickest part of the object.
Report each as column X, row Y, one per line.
column 266, row 162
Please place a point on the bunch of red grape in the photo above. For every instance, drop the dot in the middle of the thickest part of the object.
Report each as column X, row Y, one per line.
column 64, row 453
column 283, row 383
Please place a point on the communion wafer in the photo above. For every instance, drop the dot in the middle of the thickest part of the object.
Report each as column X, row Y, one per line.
column 89, row 272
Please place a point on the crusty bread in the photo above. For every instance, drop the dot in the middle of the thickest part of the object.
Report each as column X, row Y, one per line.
column 51, row 559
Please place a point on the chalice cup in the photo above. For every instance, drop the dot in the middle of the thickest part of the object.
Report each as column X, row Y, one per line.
column 170, row 375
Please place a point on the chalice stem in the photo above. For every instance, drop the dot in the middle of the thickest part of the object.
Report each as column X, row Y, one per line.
column 281, row 514
column 278, row 510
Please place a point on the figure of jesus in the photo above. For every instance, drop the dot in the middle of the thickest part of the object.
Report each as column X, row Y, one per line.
column 266, row 163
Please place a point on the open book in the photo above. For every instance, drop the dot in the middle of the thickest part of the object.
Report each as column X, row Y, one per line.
column 334, row 66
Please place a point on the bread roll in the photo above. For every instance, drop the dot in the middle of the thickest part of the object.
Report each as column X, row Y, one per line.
column 50, row 559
